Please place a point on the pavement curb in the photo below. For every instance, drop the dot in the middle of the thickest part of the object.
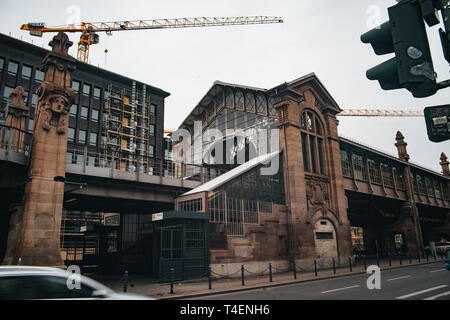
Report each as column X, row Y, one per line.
column 279, row 284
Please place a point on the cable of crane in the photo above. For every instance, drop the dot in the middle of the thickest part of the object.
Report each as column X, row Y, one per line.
column 379, row 113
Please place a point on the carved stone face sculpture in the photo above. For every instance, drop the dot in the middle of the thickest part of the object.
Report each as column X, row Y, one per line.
column 58, row 104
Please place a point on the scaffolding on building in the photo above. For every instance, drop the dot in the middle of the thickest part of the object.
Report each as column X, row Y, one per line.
column 127, row 129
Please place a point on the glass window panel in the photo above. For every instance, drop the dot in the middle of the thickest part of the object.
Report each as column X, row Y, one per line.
column 93, row 138
column 86, row 89
column 76, row 86
column 312, row 147
column 12, row 68
column 74, row 110
column 2, row 64
column 249, row 101
column 305, row 152
column 26, row 72
column 346, row 167
column 261, row 103
column 71, row 134
column 97, row 93
column 82, row 136
column 152, row 109
column 39, row 76
column 84, row 114
column 229, row 97
column 239, row 96
column 359, row 167
column 272, row 110
column 95, row 115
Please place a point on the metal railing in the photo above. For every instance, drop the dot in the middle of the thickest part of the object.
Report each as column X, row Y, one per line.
column 142, row 165
column 15, row 145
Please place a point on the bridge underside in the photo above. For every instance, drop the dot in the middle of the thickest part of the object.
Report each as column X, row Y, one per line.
column 384, row 219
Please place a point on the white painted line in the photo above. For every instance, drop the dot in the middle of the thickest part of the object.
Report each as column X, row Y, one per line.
column 340, row 289
column 421, row 292
column 438, row 270
column 399, row 278
column 438, row 295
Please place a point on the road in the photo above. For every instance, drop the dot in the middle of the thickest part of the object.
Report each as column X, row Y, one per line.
column 423, row 282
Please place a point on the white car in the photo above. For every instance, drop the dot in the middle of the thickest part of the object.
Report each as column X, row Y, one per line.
column 24, row 283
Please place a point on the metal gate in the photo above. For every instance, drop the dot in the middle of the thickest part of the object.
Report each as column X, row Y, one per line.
column 171, row 252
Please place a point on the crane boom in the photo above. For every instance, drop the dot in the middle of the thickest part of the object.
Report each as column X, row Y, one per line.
column 379, row 113
column 89, row 29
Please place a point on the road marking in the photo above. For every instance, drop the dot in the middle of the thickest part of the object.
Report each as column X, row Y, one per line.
column 399, row 278
column 438, row 270
column 420, row 292
column 438, row 295
column 340, row 289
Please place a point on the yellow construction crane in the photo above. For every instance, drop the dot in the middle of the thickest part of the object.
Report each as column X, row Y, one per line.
column 89, row 30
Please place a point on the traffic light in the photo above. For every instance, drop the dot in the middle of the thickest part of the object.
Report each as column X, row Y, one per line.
column 437, row 120
column 405, row 35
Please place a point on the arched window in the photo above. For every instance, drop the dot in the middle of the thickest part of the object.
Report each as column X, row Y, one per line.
column 312, row 142
column 239, row 100
column 250, row 102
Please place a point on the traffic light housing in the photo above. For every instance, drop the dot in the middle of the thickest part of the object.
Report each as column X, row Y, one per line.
column 405, row 35
column 437, row 120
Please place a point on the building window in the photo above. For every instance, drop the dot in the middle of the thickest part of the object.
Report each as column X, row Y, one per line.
column 324, row 235
column 261, row 104
column 239, row 99
column 151, row 151
column 39, row 76
column 7, row 91
column 152, row 109
column 398, row 178
column 429, row 187
column 82, row 136
column 97, row 93
column 421, row 184
column 312, row 142
column 12, row 68
column 346, row 167
column 26, row 72
column 194, row 205
column 79, row 159
column 74, row 110
column 71, row 134
column 84, row 114
column 387, row 175
column 30, row 125
column 152, row 130
column 95, row 115
column 69, row 157
column 229, row 98
column 86, row 89
column 2, row 64
column 437, row 189
column 76, row 86
column 93, row 139
column 34, row 98
column 250, row 101
column 374, row 171
column 359, row 167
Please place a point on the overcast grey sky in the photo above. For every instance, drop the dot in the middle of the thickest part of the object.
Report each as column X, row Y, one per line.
column 320, row 36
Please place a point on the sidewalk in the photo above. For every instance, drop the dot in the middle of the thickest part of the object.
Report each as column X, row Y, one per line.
column 143, row 285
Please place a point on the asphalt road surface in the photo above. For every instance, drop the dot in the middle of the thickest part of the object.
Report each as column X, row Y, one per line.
column 423, row 282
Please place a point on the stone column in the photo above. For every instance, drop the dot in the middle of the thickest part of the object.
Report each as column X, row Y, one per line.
column 38, row 239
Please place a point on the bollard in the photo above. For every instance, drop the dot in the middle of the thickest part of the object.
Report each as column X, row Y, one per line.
column 410, row 259
column 418, row 256
column 295, row 268
column 125, row 281
column 209, row 279
column 378, row 260
column 365, row 263
column 171, row 271
column 390, row 262
column 400, row 259
column 334, row 266
column 426, row 254
column 270, row 271
column 434, row 256
column 242, row 275
column 350, row 263
column 315, row 267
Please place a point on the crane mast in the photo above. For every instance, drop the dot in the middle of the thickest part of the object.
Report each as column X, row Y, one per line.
column 89, row 30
